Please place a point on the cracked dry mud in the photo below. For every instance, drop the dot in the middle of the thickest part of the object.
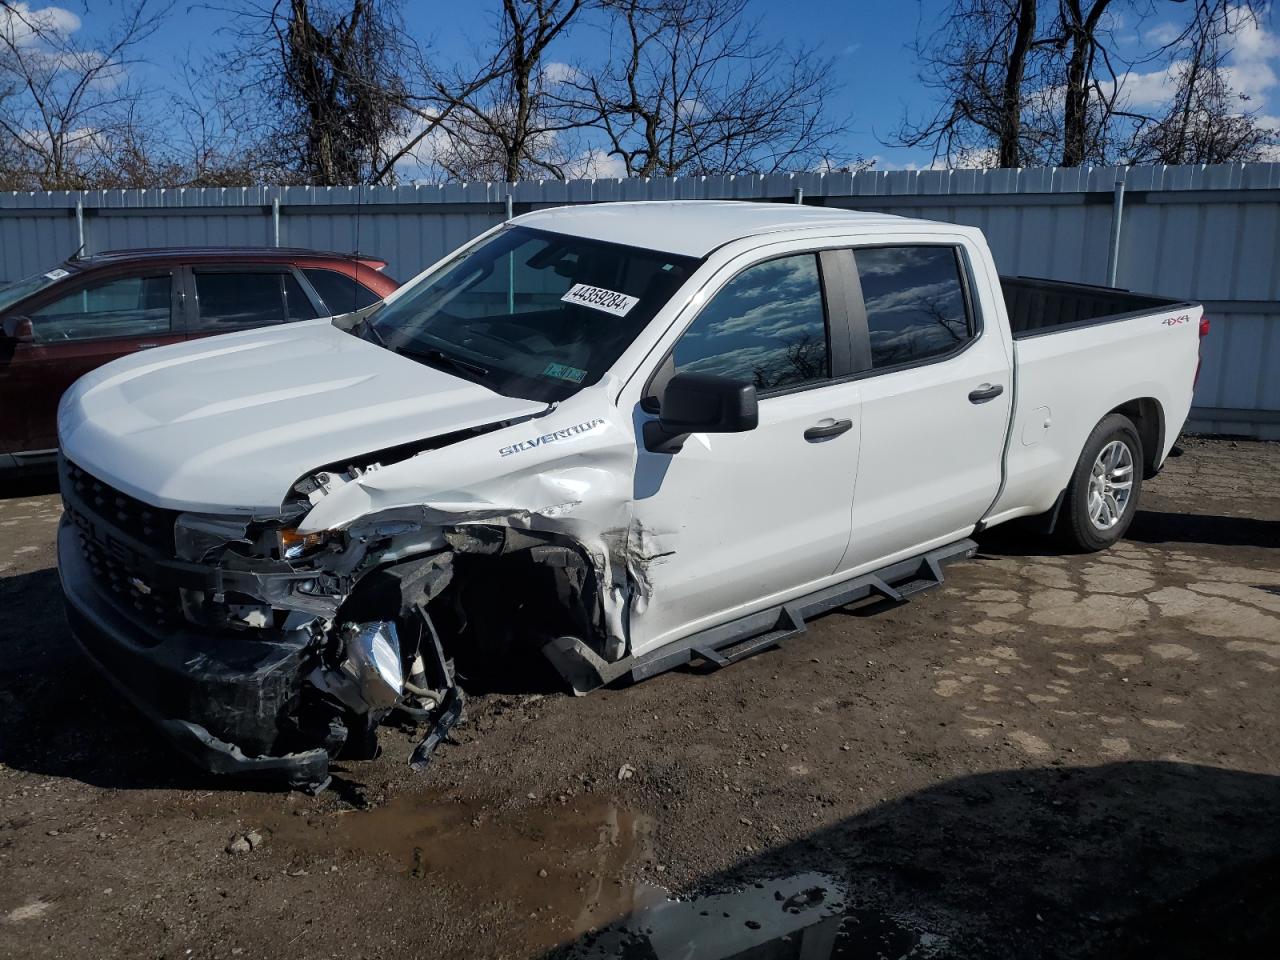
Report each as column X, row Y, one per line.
column 1065, row 756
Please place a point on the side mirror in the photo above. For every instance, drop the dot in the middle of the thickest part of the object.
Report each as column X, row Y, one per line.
column 701, row 403
column 18, row 329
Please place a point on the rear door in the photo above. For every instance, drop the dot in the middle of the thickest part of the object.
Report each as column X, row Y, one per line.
column 75, row 330
column 936, row 396
column 225, row 298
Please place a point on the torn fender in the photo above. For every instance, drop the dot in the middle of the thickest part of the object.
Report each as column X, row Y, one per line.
column 567, row 475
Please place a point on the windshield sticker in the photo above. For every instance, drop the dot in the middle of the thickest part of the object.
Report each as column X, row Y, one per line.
column 57, row 274
column 546, row 438
column 562, row 372
column 598, row 298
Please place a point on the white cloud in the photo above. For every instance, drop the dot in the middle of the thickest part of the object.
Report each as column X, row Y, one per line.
column 1163, row 33
column 1251, row 40
column 877, row 162
column 1253, row 53
column 1145, row 90
column 1250, row 69
column 556, row 72
column 595, row 164
column 24, row 26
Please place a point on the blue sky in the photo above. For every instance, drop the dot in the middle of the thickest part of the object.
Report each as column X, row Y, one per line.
column 869, row 41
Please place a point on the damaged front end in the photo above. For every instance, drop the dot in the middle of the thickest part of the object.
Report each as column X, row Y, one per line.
column 265, row 647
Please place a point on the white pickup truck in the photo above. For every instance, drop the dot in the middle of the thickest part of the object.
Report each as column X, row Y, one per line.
column 626, row 435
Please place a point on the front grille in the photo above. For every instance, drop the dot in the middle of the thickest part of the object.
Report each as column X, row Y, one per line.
column 149, row 525
column 118, row 535
column 155, row 604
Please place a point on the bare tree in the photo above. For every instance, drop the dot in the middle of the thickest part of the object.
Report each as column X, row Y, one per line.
column 1098, row 123
column 71, row 112
column 982, row 59
column 1207, row 121
column 498, row 120
column 327, row 75
column 1047, row 81
column 220, row 138
column 693, row 87
column 1078, row 34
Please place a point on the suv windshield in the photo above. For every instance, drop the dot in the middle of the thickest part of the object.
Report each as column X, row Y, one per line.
column 531, row 314
column 21, row 289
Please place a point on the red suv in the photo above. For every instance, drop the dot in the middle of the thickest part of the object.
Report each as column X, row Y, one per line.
column 59, row 325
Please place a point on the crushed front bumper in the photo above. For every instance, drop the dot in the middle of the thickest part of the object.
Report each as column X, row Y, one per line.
column 224, row 700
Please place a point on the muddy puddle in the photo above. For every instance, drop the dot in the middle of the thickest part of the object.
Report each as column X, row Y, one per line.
column 580, row 880
column 554, row 871
column 801, row 917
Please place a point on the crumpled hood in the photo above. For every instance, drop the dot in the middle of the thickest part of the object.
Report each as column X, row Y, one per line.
column 226, row 424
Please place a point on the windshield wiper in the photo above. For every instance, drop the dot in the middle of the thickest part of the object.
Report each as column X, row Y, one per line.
column 438, row 358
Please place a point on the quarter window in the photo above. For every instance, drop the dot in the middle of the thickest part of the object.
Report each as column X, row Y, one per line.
column 915, row 303
column 766, row 326
column 126, row 307
column 232, row 300
column 340, row 293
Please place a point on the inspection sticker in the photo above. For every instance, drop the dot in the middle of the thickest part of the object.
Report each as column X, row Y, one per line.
column 57, row 274
column 563, row 372
column 598, row 298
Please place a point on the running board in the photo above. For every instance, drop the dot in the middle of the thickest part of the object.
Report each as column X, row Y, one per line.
column 734, row 641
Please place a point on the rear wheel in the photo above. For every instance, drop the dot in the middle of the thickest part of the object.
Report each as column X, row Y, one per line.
column 1102, row 496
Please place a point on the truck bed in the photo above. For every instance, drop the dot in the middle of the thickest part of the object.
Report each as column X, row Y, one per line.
column 1038, row 306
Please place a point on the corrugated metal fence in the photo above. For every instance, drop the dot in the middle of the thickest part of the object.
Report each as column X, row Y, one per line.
column 1201, row 233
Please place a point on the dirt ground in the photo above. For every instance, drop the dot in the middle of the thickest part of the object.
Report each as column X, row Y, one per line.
column 1066, row 756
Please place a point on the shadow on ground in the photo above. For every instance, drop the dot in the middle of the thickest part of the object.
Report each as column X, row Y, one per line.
column 57, row 716
column 1153, row 526
column 1149, row 526
column 60, row 718
column 1127, row 860
column 28, row 483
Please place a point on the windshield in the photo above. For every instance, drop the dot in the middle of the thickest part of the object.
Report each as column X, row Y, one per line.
column 531, row 314
column 11, row 293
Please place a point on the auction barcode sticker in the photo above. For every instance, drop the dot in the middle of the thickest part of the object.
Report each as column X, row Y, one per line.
column 598, row 298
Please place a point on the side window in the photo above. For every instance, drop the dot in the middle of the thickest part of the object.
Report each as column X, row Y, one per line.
column 340, row 293
column 229, row 301
column 125, row 307
column 767, row 326
column 915, row 302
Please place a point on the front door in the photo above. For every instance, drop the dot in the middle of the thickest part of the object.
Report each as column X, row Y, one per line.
column 935, row 403
column 732, row 521
column 77, row 332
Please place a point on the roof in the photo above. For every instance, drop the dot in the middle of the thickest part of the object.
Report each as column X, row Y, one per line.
column 691, row 228
column 214, row 253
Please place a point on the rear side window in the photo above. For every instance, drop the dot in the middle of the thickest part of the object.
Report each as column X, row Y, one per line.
column 766, row 326
column 228, row 301
column 125, row 307
column 340, row 293
column 915, row 303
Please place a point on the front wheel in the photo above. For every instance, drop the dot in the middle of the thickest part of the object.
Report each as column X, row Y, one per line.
column 1102, row 496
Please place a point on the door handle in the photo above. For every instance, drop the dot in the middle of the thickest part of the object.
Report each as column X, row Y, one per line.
column 825, row 431
column 986, row 392
column 146, row 346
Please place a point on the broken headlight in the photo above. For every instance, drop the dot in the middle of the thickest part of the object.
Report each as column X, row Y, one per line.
column 295, row 546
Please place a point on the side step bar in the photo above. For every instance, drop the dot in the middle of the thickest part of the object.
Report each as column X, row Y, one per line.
column 730, row 642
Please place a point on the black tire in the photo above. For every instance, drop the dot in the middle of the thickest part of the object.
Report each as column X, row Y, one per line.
column 1075, row 526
